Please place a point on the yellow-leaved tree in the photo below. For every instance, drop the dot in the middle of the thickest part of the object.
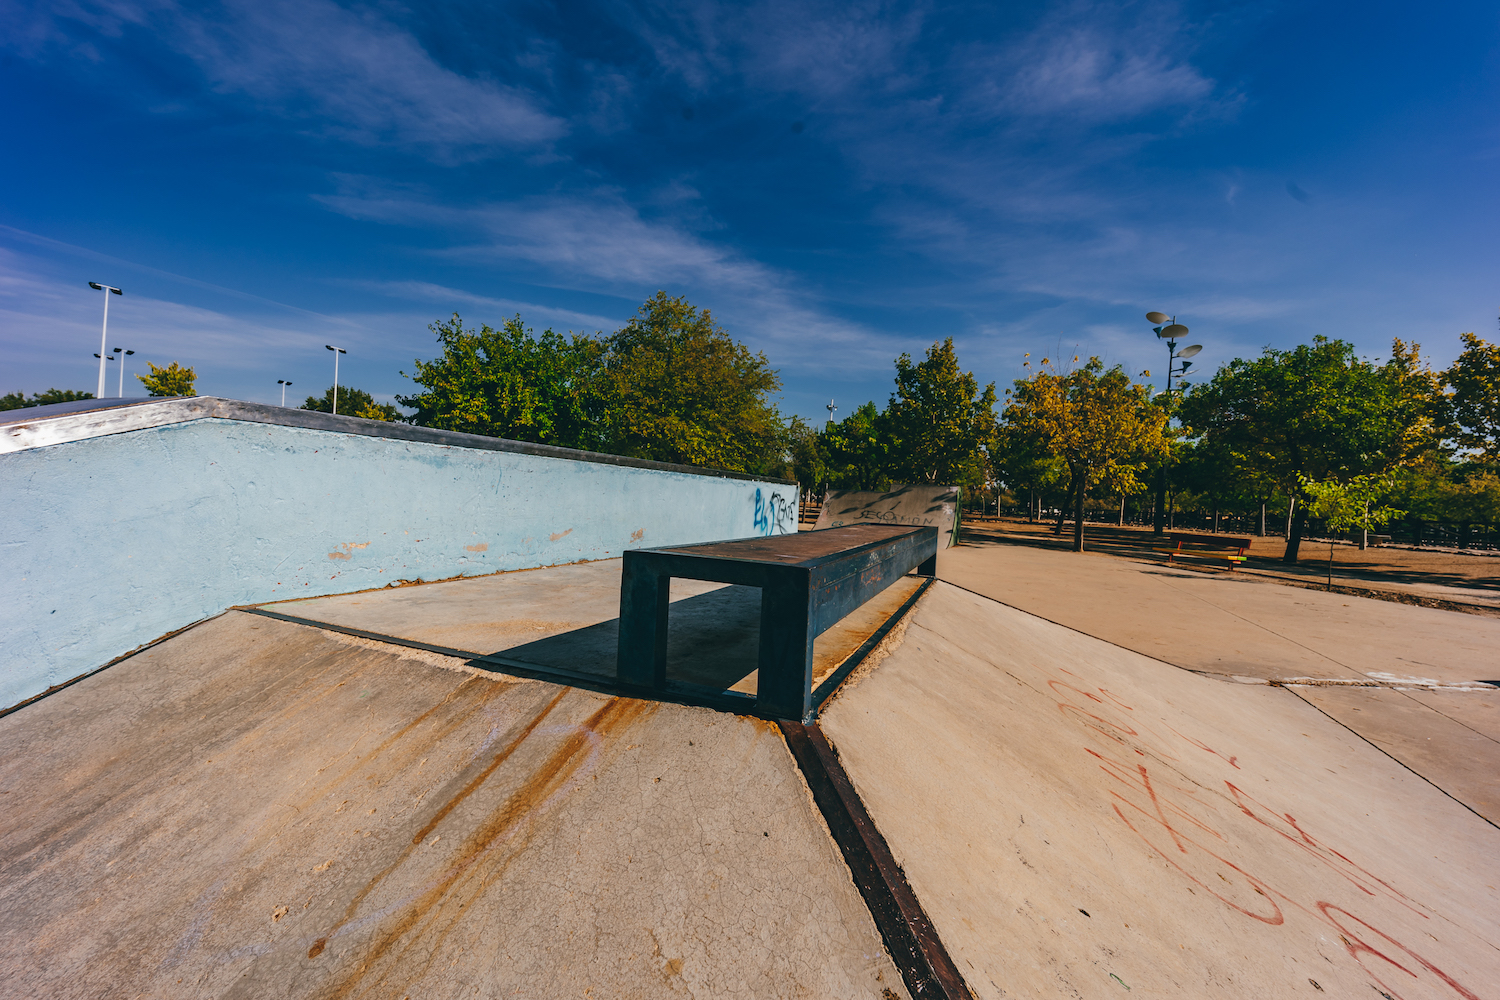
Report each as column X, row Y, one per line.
column 1099, row 424
column 173, row 380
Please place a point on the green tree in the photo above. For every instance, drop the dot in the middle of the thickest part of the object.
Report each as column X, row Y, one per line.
column 352, row 403
column 856, row 450
column 1103, row 428
column 1344, row 505
column 940, row 423
column 173, row 380
column 17, row 400
column 1475, row 382
column 1317, row 412
column 678, row 388
column 805, row 454
column 513, row 384
column 1022, row 462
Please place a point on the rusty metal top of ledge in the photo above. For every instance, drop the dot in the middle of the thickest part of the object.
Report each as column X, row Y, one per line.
column 803, row 548
column 59, row 423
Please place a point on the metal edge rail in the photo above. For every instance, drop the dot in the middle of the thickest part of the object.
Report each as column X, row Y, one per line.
column 926, row 967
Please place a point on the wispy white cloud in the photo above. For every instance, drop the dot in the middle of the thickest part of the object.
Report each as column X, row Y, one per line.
column 601, row 243
column 350, row 74
column 531, row 313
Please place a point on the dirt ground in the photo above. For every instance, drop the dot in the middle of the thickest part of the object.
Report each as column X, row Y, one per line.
column 1463, row 578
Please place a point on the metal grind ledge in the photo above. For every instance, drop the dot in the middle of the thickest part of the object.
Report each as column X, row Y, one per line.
column 913, row 944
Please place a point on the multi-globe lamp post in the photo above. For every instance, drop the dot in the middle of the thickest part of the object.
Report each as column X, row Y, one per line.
column 1167, row 328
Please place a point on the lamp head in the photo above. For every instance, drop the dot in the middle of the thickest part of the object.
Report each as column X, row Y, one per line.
column 128, row 353
column 1188, row 352
column 1157, row 318
column 96, row 286
column 116, row 291
column 1173, row 332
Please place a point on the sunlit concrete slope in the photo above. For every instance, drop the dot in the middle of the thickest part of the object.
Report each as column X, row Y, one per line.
column 1079, row 820
column 262, row 809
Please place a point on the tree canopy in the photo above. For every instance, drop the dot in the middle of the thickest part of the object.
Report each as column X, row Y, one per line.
column 1475, row 382
column 678, row 388
column 17, row 400
column 513, row 384
column 1098, row 423
column 940, row 422
column 671, row 385
column 173, row 380
column 1315, row 412
column 352, row 403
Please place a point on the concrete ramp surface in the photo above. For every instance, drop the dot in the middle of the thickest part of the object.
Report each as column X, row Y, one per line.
column 1080, row 820
column 261, row 809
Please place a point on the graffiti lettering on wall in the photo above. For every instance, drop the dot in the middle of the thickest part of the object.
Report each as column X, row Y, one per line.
column 776, row 516
column 1218, row 842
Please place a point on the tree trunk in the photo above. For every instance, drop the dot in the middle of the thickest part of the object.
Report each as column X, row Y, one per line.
column 1078, row 515
column 1030, row 507
column 1294, row 538
column 1263, row 519
column 1122, row 510
column 1062, row 509
column 1216, row 517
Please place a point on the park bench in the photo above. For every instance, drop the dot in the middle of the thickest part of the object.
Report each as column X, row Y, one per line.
column 809, row 581
column 1205, row 547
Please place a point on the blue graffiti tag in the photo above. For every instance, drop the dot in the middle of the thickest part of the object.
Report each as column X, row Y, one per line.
column 776, row 516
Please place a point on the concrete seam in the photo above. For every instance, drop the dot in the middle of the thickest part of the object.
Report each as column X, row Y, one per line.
column 1393, row 757
column 119, row 659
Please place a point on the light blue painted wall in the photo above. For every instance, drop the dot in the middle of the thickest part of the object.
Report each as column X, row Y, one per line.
column 112, row 541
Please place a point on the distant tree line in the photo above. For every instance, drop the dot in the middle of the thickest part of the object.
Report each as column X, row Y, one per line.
column 1293, row 433
column 17, row 400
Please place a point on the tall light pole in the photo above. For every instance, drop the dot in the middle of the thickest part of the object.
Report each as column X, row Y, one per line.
column 107, row 290
column 120, row 355
column 284, row 383
column 336, row 352
column 831, row 411
column 1167, row 328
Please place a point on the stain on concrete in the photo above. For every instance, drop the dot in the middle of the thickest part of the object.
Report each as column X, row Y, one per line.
column 560, row 535
column 481, row 547
column 637, row 534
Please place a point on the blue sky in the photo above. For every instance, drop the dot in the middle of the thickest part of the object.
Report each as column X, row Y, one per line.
column 839, row 183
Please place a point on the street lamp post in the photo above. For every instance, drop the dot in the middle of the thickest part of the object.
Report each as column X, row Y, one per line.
column 120, row 355
column 336, row 352
column 831, row 410
column 284, row 383
column 1167, row 328
column 103, row 333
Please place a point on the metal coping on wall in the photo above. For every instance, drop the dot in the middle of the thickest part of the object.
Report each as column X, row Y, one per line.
column 103, row 417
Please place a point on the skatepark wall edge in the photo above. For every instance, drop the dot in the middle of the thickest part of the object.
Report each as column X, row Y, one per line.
column 125, row 520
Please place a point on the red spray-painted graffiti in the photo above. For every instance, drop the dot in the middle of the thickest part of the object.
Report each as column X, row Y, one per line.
column 1181, row 823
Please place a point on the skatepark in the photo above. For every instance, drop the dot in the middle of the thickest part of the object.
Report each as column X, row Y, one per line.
column 1057, row 774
